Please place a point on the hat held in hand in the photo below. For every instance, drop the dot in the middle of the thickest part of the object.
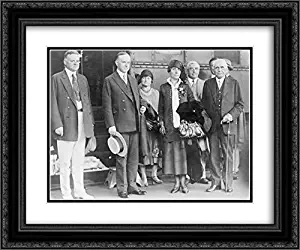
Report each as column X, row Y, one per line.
column 117, row 144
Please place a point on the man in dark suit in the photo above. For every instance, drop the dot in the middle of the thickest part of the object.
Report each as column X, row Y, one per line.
column 121, row 103
column 71, row 123
column 196, row 159
column 223, row 103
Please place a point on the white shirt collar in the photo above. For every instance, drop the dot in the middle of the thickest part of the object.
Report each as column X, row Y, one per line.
column 220, row 81
column 70, row 73
column 175, row 101
column 192, row 81
column 172, row 85
column 122, row 75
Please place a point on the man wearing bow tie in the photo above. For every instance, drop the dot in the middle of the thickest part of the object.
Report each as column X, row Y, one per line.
column 222, row 100
column 121, row 104
column 71, row 123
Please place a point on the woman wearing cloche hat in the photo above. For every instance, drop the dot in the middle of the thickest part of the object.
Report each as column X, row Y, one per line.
column 171, row 94
column 149, row 134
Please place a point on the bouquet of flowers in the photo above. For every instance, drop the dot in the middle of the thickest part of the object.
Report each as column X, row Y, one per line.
column 190, row 130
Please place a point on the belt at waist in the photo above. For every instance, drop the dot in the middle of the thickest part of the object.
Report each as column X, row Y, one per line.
column 80, row 110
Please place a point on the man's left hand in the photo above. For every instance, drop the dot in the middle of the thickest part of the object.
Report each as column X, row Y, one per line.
column 227, row 118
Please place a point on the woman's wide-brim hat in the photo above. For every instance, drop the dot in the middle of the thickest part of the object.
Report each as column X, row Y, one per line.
column 117, row 144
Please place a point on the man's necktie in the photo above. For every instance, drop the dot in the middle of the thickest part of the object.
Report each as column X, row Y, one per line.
column 76, row 88
column 124, row 78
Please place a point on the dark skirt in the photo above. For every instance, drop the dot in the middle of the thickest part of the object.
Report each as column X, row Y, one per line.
column 175, row 158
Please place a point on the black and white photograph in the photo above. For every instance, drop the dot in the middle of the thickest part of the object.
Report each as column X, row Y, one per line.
column 149, row 124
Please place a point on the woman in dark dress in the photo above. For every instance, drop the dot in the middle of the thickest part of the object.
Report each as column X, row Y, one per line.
column 150, row 137
column 171, row 94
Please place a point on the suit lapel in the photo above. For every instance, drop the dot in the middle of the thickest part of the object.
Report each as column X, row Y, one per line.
column 133, row 88
column 121, row 84
column 200, row 85
column 188, row 83
column 68, row 87
column 226, row 86
column 213, row 88
column 81, row 86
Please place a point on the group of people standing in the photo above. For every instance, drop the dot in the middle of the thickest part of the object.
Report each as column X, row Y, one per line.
column 150, row 123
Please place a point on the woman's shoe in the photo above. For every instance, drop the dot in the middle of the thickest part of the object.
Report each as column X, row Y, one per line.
column 156, row 180
column 184, row 189
column 175, row 189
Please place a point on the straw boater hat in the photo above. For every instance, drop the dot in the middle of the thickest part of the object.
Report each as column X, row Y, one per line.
column 117, row 145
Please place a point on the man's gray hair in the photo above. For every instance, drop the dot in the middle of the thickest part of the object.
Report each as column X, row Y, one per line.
column 71, row 52
column 190, row 63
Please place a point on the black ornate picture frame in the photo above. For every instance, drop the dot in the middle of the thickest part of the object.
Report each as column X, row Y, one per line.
column 282, row 16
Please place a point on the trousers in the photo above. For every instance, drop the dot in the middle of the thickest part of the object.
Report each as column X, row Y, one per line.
column 220, row 156
column 127, row 167
column 71, row 159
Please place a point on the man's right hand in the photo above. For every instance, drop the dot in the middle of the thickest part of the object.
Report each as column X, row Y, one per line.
column 59, row 131
column 112, row 130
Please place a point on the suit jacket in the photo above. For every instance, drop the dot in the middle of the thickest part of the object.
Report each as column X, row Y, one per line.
column 197, row 88
column 165, row 110
column 121, row 109
column 64, row 108
column 232, row 103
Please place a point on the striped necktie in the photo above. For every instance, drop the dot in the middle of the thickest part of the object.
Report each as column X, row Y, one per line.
column 76, row 88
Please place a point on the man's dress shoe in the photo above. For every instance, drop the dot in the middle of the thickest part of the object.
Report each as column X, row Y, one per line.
column 123, row 194
column 213, row 188
column 84, row 196
column 235, row 177
column 209, row 178
column 229, row 190
column 175, row 190
column 68, row 197
column 192, row 181
column 138, row 192
column 203, row 181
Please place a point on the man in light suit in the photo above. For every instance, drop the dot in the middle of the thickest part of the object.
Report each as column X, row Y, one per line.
column 196, row 162
column 121, row 103
column 223, row 103
column 71, row 123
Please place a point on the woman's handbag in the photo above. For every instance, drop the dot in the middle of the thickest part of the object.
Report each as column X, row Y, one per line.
column 151, row 116
column 190, row 130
